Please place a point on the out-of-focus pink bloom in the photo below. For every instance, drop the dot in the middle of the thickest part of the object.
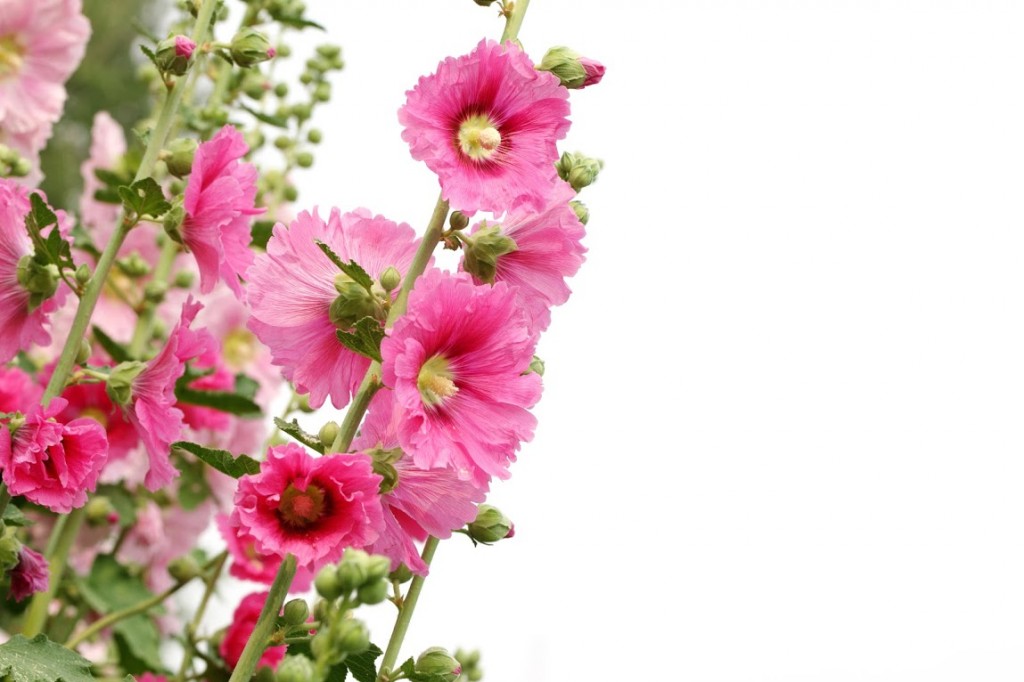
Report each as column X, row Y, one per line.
column 21, row 323
column 161, row 534
column 487, row 124
column 219, row 201
column 310, row 507
column 150, row 677
column 458, row 362
column 51, row 463
column 183, row 46
column 219, row 379
column 248, row 563
column 291, row 289
column 105, row 152
column 243, row 622
column 548, row 249
column 18, row 391
column 31, row 575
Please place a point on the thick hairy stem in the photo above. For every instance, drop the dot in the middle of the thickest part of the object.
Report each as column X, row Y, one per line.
column 405, row 614
column 260, row 636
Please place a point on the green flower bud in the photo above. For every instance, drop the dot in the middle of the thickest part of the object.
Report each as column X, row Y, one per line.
column 328, row 51
column 84, row 352
column 99, row 510
column 400, row 575
column 314, row 135
column 373, row 592
column 296, row 612
column 174, row 55
column 302, row 404
column 134, row 265
column 184, row 568
column 302, row 111
column 353, row 303
column 119, row 383
column 328, row 433
column 281, row 89
column 265, row 674
column 352, row 571
column 295, row 669
column 179, row 156
column 322, row 93
column 574, row 70
column 377, row 566
column 172, row 223
column 327, row 583
column 390, row 279
column 351, row 637
column 155, row 291
column 458, row 220
column 290, row 193
column 10, row 549
column 537, row 366
column 484, row 3
column 581, row 211
column 82, row 274
column 21, row 167
column 470, row 661
column 578, row 170
column 437, row 661
column 482, row 250
column 283, row 142
column 304, row 159
column 321, row 647
column 41, row 280
column 249, row 47
column 184, row 279
column 306, row 78
column 255, row 87
column 490, row 525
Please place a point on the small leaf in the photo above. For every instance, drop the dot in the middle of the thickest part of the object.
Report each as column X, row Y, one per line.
column 109, row 177
column 14, row 517
column 232, row 403
column 276, row 121
column 40, row 660
column 144, row 198
column 297, row 22
column 365, row 339
column 293, row 429
column 110, row 587
column 116, row 351
column 351, row 268
column 222, row 460
column 246, row 386
column 363, row 666
column 149, row 55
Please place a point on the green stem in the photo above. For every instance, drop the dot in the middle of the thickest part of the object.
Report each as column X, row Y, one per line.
column 193, row 626
column 161, row 273
column 63, row 538
column 354, row 415
column 265, row 625
column 431, row 238
column 5, row 497
column 515, row 20
column 405, row 614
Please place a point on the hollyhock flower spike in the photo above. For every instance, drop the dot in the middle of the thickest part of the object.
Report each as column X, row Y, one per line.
column 219, row 201
column 51, row 463
column 310, row 507
column 31, row 575
column 544, row 248
column 487, row 124
column 457, row 361
column 295, row 292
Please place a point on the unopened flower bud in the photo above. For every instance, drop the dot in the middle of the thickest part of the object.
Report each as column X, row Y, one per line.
column 82, row 274
column 351, row 573
column 184, row 279
column 470, row 661
column 483, row 248
column 21, row 167
column 373, row 592
column 173, row 55
column 582, row 212
column 98, row 510
column 458, row 220
column 180, row 154
column 484, row 3
column 437, row 661
column 304, row 159
column 302, row 404
column 390, row 279
column 119, row 383
column 155, row 291
column 490, row 525
column 40, row 279
column 184, row 568
column 575, row 71
column 537, row 366
column 249, row 47
column 10, row 549
column 327, row 583
column 377, row 566
column 84, row 352
column 578, row 170
column 134, row 265
column 351, row 637
column 295, row 669
column 314, row 136
column 172, row 223
column 353, row 303
column 400, row 575
column 328, row 433
column 265, row 674
column 296, row 612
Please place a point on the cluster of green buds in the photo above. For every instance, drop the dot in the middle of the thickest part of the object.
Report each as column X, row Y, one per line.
column 490, row 526
column 470, row 661
column 578, row 170
column 39, row 277
column 12, row 164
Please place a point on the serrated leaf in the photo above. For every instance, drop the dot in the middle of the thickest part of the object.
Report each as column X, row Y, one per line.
column 40, row 660
column 276, row 121
column 14, row 517
column 149, row 55
column 138, row 645
column 363, row 666
column 222, row 460
column 364, row 339
column 144, row 198
column 116, row 351
column 293, row 429
column 110, row 587
column 246, row 386
column 351, row 268
column 232, row 403
column 193, row 488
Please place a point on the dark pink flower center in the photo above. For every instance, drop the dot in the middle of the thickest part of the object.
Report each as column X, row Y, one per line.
column 300, row 509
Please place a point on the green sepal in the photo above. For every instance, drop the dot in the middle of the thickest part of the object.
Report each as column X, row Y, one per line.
column 364, row 339
column 409, row 670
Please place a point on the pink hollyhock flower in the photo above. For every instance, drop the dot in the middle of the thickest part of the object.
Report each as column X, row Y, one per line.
column 219, row 199
column 310, row 507
column 50, row 463
column 91, row 401
column 21, row 322
column 292, row 287
column 547, row 249
column 424, row 501
column 220, row 379
column 487, row 123
column 243, row 622
column 248, row 563
column 31, row 575
column 18, row 391
column 152, row 408
column 162, row 534
column 458, row 362
column 41, row 44
column 105, row 152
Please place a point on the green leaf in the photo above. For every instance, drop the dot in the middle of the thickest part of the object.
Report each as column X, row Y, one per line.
column 365, row 339
column 297, row 22
column 350, row 268
column 261, row 231
column 293, row 429
column 149, row 55
column 111, row 587
column 246, row 386
column 40, row 660
column 138, row 645
column 122, row 500
column 232, row 403
column 116, row 351
column 193, row 487
column 276, row 121
column 109, row 177
column 363, row 666
column 14, row 517
column 144, row 198
column 222, row 460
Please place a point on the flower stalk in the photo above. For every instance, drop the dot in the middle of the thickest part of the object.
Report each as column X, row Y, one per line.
column 265, row 625
column 405, row 614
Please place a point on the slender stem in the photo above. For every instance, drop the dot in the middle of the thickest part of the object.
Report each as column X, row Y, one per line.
column 431, row 238
column 354, row 415
column 117, row 616
column 63, row 538
column 161, row 273
column 515, row 20
column 264, row 626
column 405, row 614
column 193, row 626
column 5, row 497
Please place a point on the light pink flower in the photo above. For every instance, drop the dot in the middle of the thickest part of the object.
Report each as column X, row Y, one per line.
column 21, row 325
column 310, row 507
column 248, row 563
column 243, row 622
column 162, row 534
column 31, row 575
column 219, row 200
column 424, row 502
column 548, row 250
column 291, row 289
column 51, row 463
column 487, row 124
column 105, row 152
column 41, row 44
column 458, row 361
column 18, row 391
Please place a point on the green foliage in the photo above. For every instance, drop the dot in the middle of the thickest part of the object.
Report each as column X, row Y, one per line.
column 122, row 500
column 40, row 660
column 409, row 669
column 116, row 351
column 144, row 198
column 222, row 460
column 362, row 666
column 365, row 339
column 52, row 248
column 14, row 517
column 293, row 429
column 239, row 403
column 261, row 232
column 193, row 487
column 352, row 269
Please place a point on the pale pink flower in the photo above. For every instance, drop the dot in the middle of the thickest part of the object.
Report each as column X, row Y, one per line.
column 487, row 124
column 248, row 563
column 51, row 463
column 18, row 391
column 105, row 152
column 243, row 622
column 310, row 507
column 219, row 201
column 291, row 289
column 457, row 361
column 161, row 534
column 547, row 250
column 21, row 324
column 31, row 575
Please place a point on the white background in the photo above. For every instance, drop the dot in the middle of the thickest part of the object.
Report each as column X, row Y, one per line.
column 781, row 434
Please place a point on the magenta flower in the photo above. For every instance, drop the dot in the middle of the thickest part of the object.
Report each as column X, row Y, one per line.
column 310, row 507
column 31, row 575
column 183, row 46
column 219, row 200
column 51, row 463
column 458, row 361
column 487, row 124
column 292, row 286
column 243, row 622
column 547, row 250
column 22, row 323
column 18, row 391
column 594, row 70
column 248, row 563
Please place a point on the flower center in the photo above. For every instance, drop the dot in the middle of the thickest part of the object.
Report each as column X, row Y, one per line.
column 435, row 381
column 478, row 138
column 11, row 56
column 239, row 347
column 96, row 414
column 299, row 509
